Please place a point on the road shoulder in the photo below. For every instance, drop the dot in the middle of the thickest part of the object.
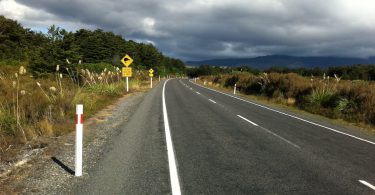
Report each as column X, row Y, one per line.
column 50, row 171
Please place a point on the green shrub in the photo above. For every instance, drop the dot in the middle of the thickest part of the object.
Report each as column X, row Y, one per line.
column 217, row 79
column 347, row 106
column 10, row 62
column 231, row 81
column 326, row 99
column 8, row 123
column 252, row 88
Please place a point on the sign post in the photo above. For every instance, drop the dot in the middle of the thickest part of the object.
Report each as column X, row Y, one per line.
column 151, row 74
column 127, row 84
column 79, row 140
column 127, row 71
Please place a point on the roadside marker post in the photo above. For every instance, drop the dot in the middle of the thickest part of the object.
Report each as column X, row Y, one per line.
column 159, row 78
column 234, row 90
column 79, row 140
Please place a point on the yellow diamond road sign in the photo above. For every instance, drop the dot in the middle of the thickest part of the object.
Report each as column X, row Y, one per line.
column 127, row 60
column 151, row 71
column 151, row 75
column 127, row 72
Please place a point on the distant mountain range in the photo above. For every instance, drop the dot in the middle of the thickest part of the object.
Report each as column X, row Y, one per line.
column 265, row 62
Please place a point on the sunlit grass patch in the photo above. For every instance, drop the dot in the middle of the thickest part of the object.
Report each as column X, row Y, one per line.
column 104, row 89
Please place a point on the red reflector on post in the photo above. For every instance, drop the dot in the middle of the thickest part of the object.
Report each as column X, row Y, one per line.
column 79, row 140
column 79, row 119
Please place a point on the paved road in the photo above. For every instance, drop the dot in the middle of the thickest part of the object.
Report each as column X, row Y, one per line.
column 136, row 162
column 224, row 145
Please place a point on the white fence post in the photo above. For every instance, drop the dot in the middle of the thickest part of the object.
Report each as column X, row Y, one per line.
column 234, row 90
column 79, row 140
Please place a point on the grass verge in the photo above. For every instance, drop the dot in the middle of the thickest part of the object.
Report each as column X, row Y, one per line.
column 35, row 109
column 289, row 105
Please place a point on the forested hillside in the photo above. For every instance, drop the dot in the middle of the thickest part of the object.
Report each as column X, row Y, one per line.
column 43, row 51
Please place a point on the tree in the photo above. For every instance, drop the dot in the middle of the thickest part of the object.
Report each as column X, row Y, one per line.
column 45, row 51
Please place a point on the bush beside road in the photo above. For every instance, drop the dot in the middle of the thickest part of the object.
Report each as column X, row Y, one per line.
column 353, row 101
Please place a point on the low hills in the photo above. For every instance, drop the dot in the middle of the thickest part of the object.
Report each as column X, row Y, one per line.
column 265, row 62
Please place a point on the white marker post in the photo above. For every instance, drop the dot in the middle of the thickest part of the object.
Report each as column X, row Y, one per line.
column 127, row 84
column 159, row 78
column 79, row 140
column 151, row 83
column 234, row 90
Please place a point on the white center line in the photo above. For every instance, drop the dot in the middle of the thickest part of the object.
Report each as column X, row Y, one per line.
column 367, row 184
column 295, row 117
column 212, row 101
column 270, row 132
column 247, row 120
column 175, row 183
column 278, row 136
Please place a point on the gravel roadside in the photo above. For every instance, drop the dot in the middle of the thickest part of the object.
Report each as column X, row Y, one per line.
column 51, row 171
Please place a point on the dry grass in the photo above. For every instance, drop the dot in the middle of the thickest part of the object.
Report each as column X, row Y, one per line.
column 353, row 101
column 33, row 108
column 46, row 128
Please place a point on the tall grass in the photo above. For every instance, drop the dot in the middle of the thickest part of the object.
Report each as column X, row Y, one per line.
column 332, row 97
column 31, row 108
column 105, row 89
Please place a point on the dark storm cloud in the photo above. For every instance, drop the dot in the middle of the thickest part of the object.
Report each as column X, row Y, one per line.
column 203, row 29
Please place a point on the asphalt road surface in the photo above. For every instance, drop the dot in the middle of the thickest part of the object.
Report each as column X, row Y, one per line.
column 185, row 138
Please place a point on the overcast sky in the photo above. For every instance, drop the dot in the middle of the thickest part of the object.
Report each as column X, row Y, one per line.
column 204, row 29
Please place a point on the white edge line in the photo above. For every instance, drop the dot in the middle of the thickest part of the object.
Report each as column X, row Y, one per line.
column 331, row 129
column 247, row 120
column 212, row 101
column 197, row 92
column 175, row 183
column 367, row 184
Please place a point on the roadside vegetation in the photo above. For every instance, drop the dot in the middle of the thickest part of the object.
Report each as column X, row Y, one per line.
column 44, row 75
column 36, row 108
column 351, row 100
column 355, row 72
